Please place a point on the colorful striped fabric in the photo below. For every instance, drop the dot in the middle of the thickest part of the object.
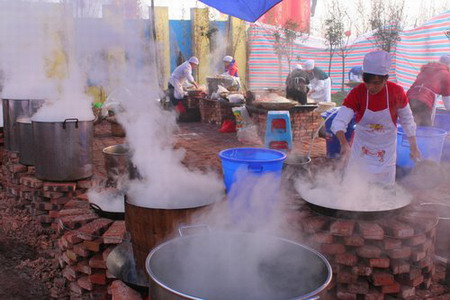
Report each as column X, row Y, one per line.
column 416, row 47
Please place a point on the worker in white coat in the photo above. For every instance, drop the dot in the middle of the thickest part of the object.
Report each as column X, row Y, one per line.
column 179, row 76
column 320, row 83
column 377, row 104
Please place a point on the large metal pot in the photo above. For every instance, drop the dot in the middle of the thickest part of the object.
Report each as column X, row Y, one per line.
column 235, row 266
column 118, row 163
column 63, row 150
column 26, row 141
column 12, row 110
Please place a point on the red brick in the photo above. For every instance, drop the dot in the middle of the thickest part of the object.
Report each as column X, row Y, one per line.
column 83, row 267
column 398, row 229
column 423, row 294
column 354, row 241
column 115, row 233
column 368, row 251
column 98, row 277
column 416, row 240
column 60, row 201
column 321, row 238
column 332, row 249
column 410, row 282
column 342, row 227
column 374, row 294
column 400, row 267
column 17, row 168
column 362, row 270
column 73, row 212
column 109, row 275
column 404, row 252
column 406, row 291
column 31, row 181
column 74, row 287
column 315, row 224
column 380, row 278
column 97, row 262
column 77, row 204
column 345, row 295
column 371, row 231
column 426, row 283
column 345, row 276
column 73, row 257
column 421, row 220
column 69, row 273
column 360, row 287
column 73, row 222
column 80, row 250
column 427, row 246
column 44, row 219
column 346, row 259
column 52, row 194
column 66, row 259
column 93, row 229
column 391, row 289
column 84, row 184
column 59, row 186
column 120, row 291
column 84, row 283
column 94, row 246
column 99, row 293
column 72, row 238
column 53, row 214
column 382, row 262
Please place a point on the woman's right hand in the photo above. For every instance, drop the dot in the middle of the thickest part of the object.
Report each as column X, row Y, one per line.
column 345, row 150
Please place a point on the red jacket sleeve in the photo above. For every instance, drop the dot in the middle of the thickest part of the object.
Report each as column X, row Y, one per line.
column 232, row 71
column 352, row 100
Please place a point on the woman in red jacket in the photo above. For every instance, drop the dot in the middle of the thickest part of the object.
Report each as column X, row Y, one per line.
column 433, row 80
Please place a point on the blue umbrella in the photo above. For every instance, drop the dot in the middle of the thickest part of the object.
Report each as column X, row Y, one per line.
column 248, row 10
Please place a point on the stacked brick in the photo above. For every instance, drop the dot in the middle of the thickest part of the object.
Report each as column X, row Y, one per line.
column 12, row 171
column 84, row 245
column 303, row 123
column 377, row 258
column 215, row 112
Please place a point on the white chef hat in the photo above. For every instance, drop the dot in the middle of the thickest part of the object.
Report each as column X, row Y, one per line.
column 445, row 59
column 377, row 62
column 193, row 60
column 298, row 67
column 228, row 58
column 309, row 65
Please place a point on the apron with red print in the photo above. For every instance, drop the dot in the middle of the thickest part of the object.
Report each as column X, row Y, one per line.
column 374, row 145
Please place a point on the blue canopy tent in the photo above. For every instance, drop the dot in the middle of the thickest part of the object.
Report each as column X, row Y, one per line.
column 248, row 10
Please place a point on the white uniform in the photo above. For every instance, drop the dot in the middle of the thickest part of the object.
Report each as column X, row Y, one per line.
column 182, row 73
column 322, row 90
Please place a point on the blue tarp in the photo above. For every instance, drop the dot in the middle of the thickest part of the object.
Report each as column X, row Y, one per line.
column 248, row 10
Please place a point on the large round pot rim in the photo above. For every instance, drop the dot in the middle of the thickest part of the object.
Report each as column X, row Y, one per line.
column 124, row 146
column 23, row 99
column 127, row 201
column 303, row 297
column 62, row 121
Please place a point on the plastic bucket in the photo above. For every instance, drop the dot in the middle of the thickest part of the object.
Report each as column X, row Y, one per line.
column 442, row 120
column 430, row 141
column 253, row 161
column 333, row 144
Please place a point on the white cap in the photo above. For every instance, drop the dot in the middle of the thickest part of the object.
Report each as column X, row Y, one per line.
column 193, row 60
column 377, row 63
column 228, row 58
column 309, row 65
column 445, row 59
column 298, row 67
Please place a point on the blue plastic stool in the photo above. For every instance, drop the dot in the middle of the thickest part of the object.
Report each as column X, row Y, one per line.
column 278, row 130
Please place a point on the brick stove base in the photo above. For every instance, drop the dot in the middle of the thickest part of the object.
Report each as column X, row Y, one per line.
column 374, row 259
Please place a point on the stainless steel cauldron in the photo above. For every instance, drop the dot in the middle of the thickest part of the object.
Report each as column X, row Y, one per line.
column 236, row 266
column 26, row 141
column 13, row 109
column 63, row 150
column 118, row 163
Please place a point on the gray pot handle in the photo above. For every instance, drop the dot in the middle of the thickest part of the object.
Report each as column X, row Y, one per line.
column 71, row 120
column 437, row 204
column 182, row 230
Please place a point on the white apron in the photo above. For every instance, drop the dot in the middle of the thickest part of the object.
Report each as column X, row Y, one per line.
column 374, row 145
column 323, row 92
